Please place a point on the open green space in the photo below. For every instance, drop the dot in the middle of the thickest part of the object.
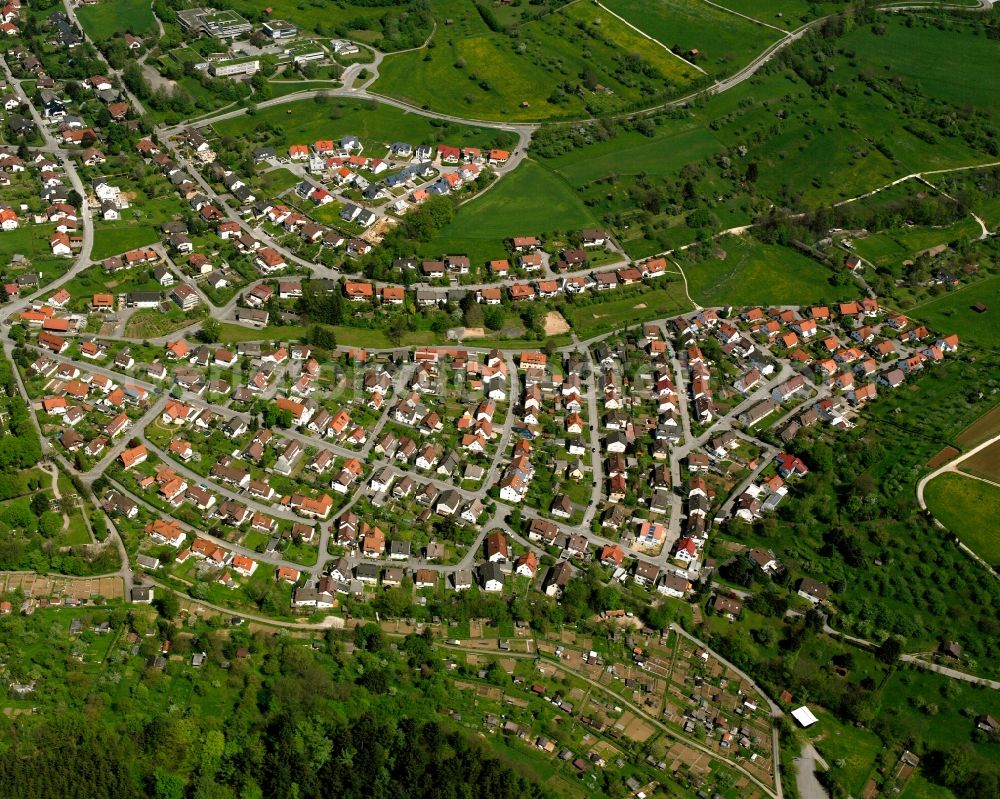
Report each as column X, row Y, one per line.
column 967, row 507
column 577, row 60
column 855, row 747
column 376, row 124
column 919, row 56
column 892, row 246
column 724, row 41
column 805, row 135
column 594, row 318
column 277, row 181
column 953, row 312
column 529, row 201
column 110, row 18
column 677, row 143
column 113, row 238
column 31, row 241
column 941, row 712
column 759, row 274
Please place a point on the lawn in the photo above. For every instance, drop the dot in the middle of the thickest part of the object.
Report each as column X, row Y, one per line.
column 952, row 312
column 377, row 125
column 32, row 241
column 529, row 201
column 114, row 17
column 112, row 238
column 759, row 274
column 724, row 40
column 967, row 507
column 277, row 181
column 856, row 747
column 93, row 280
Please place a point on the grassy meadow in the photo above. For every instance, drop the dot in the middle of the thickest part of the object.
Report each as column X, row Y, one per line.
column 952, row 312
column 759, row 274
column 967, row 507
column 529, row 201
column 532, row 73
column 115, row 17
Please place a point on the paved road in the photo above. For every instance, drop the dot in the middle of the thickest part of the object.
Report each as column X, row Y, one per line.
column 805, row 774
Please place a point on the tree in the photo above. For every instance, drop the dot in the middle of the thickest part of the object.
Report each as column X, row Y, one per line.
column 889, row 650
column 210, row 332
column 396, row 329
column 168, row 604
column 39, row 504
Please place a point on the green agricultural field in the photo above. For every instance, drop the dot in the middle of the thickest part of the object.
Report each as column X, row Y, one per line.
column 561, row 66
column 377, row 125
column 528, row 201
column 114, row 17
column 725, row 41
column 630, row 39
column 759, row 274
column 967, row 507
column 810, row 146
column 953, row 313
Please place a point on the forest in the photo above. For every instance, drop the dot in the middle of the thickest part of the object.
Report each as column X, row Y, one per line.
column 308, row 721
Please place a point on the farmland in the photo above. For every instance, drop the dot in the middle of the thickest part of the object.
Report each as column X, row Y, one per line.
column 985, row 463
column 115, row 17
column 953, row 312
column 967, row 507
column 986, row 426
column 753, row 273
